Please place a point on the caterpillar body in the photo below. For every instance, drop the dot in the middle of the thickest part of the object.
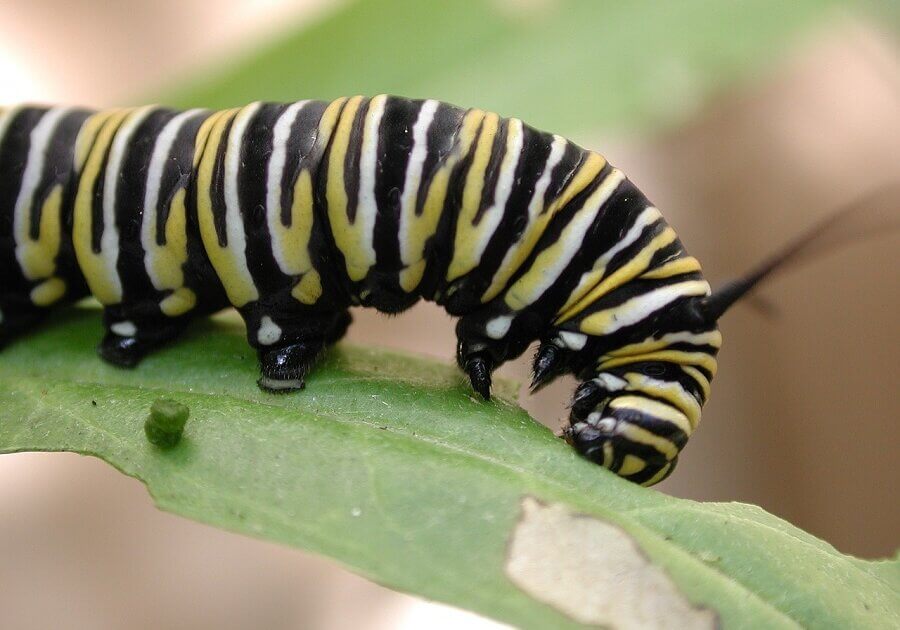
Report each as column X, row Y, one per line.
column 294, row 212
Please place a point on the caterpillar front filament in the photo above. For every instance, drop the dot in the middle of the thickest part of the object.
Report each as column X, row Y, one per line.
column 292, row 213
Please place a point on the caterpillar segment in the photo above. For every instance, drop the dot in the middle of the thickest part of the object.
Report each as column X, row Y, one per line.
column 292, row 213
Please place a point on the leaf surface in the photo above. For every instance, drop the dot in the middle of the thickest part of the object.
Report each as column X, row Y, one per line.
column 387, row 463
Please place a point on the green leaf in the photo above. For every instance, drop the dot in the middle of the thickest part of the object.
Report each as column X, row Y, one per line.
column 568, row 66
column 389, row 464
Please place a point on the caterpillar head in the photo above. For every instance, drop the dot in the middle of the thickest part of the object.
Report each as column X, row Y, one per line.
column 641, row 392
column 637, row 413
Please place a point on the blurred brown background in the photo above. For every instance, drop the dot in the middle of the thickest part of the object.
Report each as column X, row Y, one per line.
column 804, row 416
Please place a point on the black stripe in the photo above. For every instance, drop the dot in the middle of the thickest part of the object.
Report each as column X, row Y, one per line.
column 217, row 184
column 328, row 259
column 492, row 170
column 304, row 151
column 351, row 159
column 57, row 165
column 536, row 149
column 439, row 250
column 255, row 150
column 13, row 160
column 395, row 145
column 178, row 171
column 442, row 138
column 97, row 222
column 129, row 206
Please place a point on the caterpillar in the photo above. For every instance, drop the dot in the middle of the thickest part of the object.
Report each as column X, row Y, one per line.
column 292, row 213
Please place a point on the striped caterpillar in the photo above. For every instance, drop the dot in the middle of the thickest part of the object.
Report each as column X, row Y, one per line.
column 292, row 213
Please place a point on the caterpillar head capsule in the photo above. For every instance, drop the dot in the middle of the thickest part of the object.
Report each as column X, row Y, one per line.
column 640, row 401
column 635, row 417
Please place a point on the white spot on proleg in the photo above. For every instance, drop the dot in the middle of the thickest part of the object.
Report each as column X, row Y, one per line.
column 269, row 332
column 498, row 327
column 611, row 383
column 573, row 340
column 124, row 329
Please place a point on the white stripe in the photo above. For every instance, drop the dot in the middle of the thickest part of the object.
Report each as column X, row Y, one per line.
column 491, row 217
column 634, row 310
column 557, row 150
column 109, row 239
column 653, row 344
column 413, row 178
column 366, row 205
column 281, row 134
column 649, row 216
column 536, row 205
column 31, row 178
column 572, row 236
column 158, row 161
column 234, row 224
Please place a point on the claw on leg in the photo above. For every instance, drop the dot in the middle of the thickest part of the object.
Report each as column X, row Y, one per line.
column 478, row 367
column 587, row 396
column 548, row 362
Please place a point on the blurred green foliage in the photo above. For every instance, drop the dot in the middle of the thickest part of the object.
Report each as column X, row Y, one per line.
column 570, row 66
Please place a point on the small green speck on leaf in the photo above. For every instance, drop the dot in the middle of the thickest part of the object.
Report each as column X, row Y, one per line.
column 166, row 421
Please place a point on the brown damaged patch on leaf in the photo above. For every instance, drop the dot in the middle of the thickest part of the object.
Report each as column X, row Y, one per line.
column 594, row 572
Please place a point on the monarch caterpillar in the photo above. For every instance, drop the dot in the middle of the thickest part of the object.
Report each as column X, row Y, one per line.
column 292, row 213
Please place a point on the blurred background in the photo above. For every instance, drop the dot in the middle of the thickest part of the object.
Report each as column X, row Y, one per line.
column 744, row 121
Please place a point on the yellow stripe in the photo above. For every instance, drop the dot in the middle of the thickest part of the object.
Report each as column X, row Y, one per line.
column 586, row 173
column 422, row 227
column 643, row 436
column 38, row 257
column 710, row 338
column 631, row 464
column 550, row 263
column 293, row 239
column 105, row 288
column 658, row 476
column 701, row 379
column 670, row 391
column 88, row 134
column 345, row 233
column 166, row 262
column 231, row 273
column 677, row 267
column 48, row 292
column 702, row 359
column 203, row 135
column 465, row 257
column 579, row 300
